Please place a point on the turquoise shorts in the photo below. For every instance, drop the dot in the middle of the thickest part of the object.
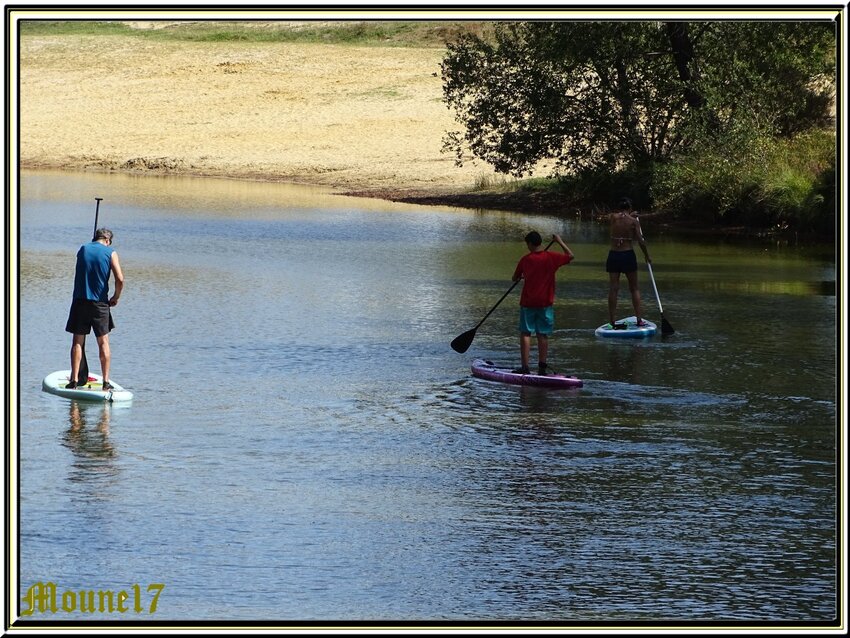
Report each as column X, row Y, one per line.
column 536, row 320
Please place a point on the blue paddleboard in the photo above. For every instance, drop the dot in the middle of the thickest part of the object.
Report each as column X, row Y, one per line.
column 627, row 329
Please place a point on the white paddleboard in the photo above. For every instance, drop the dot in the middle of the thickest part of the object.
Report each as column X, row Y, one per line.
column 627, row 329
column 55, row 383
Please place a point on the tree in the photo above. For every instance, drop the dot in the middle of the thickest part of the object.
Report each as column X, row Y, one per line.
column 608, row 95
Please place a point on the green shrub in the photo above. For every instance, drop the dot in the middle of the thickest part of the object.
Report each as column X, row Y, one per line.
column 760, row 182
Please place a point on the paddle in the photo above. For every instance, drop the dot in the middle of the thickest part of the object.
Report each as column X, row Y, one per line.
column 666, row 328
column 83, row 373
column 96, row 213
column 462, row 342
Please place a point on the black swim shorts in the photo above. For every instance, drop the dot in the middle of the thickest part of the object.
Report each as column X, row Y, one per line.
column 624, row 261
column 86, row 316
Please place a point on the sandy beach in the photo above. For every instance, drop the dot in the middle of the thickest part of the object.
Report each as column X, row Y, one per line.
column 357, row 119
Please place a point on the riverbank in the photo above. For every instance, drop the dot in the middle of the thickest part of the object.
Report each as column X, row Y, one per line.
column 363, row 118
column 358, row 119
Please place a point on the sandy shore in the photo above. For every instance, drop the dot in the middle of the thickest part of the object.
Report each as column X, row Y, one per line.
column 352, row 118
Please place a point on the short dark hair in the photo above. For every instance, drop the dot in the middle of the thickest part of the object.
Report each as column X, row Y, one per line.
column 103, row 233
column 533, row 238
column 624, row 203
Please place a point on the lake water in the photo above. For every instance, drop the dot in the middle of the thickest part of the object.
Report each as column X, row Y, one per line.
column 305, row 446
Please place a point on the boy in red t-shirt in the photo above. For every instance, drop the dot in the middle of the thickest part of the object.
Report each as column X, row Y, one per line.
column 536, row 314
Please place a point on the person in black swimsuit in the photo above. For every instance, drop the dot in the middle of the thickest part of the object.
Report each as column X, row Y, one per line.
column 625, row 229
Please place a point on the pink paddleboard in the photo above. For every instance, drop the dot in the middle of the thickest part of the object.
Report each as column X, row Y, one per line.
column 488, row 370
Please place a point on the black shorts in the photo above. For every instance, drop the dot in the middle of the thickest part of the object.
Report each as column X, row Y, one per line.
column 86, row 316
column 624, row 261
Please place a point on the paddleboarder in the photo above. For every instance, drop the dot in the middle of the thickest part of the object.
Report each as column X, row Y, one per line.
column 536, row 313
column 90, row 308
column 625, row 230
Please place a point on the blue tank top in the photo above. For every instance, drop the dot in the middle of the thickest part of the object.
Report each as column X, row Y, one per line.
column 91, row 280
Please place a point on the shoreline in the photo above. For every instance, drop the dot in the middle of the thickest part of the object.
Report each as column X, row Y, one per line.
column 524, row 202
column 360, row 121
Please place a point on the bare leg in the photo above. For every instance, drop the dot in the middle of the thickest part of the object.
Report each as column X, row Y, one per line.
column 613, row 291
column 77, row 344
column 524, row 348
column 105, row 356
column 635, row 290
column 542, row 349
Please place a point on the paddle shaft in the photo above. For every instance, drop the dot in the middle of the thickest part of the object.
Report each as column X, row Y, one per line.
column 666, row 328
column 652, row 279
column 507, row 292
column 96, row 213
column 83, row 372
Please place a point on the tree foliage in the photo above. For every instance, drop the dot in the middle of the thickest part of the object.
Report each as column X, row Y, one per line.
column 609, row 95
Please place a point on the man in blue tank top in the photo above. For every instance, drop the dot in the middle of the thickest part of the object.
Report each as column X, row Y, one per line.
column 90, row 308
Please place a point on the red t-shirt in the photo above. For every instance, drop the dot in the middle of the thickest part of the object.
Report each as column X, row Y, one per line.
column 538, row 270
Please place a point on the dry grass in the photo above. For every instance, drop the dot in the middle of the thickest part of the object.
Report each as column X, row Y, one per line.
column 359, row 118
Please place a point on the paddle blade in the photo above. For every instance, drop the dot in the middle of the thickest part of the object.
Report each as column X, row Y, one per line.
column 462, row 342
column 666, row 328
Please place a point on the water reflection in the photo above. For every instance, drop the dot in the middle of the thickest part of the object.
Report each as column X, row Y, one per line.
column 624, row 362
column 534, row 400
column 762, row 287
column 89, row 441
column 186, row 195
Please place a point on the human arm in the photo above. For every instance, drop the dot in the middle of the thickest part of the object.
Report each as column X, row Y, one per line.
column 119, row 279
column 563, row 246
column 517, row 272
column 640, row 240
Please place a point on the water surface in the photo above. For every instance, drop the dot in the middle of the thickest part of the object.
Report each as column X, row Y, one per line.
column 305, row 446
